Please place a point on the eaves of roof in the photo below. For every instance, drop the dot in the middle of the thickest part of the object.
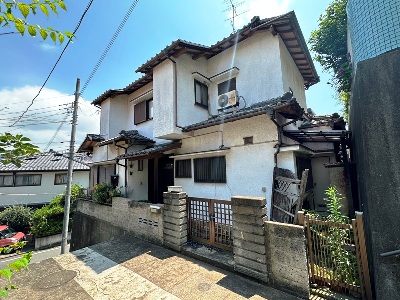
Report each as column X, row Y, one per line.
column 134, row 86
column 151, row 152
column 288, row 108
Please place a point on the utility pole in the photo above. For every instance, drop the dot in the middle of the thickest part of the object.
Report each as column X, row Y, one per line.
column 67, row 204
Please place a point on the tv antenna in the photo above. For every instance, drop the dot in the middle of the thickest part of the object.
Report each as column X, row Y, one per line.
column 232, row 7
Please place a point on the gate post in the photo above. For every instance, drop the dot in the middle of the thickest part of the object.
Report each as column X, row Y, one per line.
column 175, row 218
column 249, row 215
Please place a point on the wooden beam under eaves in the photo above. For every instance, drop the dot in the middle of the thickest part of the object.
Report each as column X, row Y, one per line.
column 289, row 39
column 180, row 52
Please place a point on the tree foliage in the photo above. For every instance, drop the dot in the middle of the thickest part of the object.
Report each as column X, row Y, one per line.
column 15, row 13
column 329, row 42
column 12, row 147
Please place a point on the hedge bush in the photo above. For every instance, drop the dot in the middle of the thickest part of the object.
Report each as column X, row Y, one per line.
column 104, row 192
column 18, row 217
column 48, row 220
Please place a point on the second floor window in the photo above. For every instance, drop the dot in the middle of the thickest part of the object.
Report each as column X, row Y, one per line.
column 28, row 180
column 201, row 93
column 143, row 111
column 227, row 86
column 60, row 178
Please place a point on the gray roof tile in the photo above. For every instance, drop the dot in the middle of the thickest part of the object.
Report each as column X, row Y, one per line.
column 48, row 162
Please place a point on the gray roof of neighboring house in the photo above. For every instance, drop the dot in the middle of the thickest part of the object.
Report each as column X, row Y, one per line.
column 152, row 150
column 48, row 161
column 131, row 137
column 268, row 106
column 285, row 25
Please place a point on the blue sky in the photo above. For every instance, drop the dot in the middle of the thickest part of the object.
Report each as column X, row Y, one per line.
column 153, row 24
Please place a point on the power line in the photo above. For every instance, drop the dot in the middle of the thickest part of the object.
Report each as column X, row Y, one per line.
column 55, row 133
column 110, row 43
column 12, row 32
column 59, row 58
column 41, row 99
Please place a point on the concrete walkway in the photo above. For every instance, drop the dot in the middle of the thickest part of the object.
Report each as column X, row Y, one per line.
column 128, row 268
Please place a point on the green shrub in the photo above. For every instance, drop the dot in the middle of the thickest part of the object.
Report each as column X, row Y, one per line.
column 18, row 217
column 104, row 192
column 48, row 220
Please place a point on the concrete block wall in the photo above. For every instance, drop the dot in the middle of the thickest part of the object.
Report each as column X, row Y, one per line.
column 175, row 218
column 286, row 258
column 249, row 215
column 131, row 216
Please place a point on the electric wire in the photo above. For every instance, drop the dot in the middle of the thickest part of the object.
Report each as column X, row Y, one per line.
column 55, row 134
column 59, row 58
column 111, row 42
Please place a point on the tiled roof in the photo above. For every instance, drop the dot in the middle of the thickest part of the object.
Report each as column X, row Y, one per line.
column 132, row 137
column 156, row 149
column 137, row 84
column 89, row 142
column 48, row 161
column 259, row 108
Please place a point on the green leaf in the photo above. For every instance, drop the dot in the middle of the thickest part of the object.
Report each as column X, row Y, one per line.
column 24, row 9
column 62, row 5
column 19, row 25
column 60, row 37
column 32, row 30
column 33, row 8
column 9, row 16
column 7, row 273
column 53, row 36
column 3, row 293
column 53, row 8
column 43, row 33
column 43, row 7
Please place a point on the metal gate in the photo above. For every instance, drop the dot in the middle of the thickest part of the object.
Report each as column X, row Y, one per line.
column 210, row 222
column 337, row 255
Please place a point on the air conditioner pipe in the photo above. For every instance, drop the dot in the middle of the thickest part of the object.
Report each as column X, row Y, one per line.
column 175, row 90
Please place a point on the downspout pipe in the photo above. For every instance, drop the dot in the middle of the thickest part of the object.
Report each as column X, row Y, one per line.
column 117, row 162
column 175, row 89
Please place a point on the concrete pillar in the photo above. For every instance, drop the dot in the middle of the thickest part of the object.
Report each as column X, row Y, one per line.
column 249, row 215
column 175, row 218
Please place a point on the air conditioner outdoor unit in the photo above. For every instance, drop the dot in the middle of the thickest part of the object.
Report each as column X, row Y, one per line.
column 228, row 100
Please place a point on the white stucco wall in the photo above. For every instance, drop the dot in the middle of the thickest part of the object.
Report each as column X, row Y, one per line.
column 42, row 193
column 104, row 118
column 291, row 76
column 118, row 114
column 163, row 93
column 249, row 168
column 137, row 181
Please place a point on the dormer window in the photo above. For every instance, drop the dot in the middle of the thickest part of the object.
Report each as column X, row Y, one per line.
column 143, row 111
column 201, row 93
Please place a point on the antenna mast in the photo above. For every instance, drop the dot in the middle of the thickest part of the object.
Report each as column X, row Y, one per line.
column 231, row 7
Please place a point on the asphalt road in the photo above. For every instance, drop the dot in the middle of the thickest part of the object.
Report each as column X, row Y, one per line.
column 36, row 257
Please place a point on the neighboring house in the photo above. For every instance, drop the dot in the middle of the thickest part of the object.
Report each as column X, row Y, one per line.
column 211, row 119
column 39, row 178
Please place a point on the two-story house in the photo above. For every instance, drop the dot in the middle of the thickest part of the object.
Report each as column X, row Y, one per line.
column 208, row 118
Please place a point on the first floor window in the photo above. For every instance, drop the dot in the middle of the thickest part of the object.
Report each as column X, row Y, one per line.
column 210, row 169
column 201, row 93
column 6, row 180
column 30, row 179
column 60, row 178
column 183, row 168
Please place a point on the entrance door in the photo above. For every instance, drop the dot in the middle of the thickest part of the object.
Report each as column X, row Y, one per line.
column 160, row 176
column 321, row 182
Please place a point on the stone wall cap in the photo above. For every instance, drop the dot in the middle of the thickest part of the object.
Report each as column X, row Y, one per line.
column 248, row 198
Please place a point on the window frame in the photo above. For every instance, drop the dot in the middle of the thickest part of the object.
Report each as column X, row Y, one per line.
column 22, row 175
column 145, row 106
column 59, row 174
column 226, row 86
column 206, row 173
column 2, row 181
column 203, row 87
column 184, row 171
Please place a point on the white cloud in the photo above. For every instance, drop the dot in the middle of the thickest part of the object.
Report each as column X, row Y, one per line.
column 48, row 47
column 261, row 8
column 44, row 116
